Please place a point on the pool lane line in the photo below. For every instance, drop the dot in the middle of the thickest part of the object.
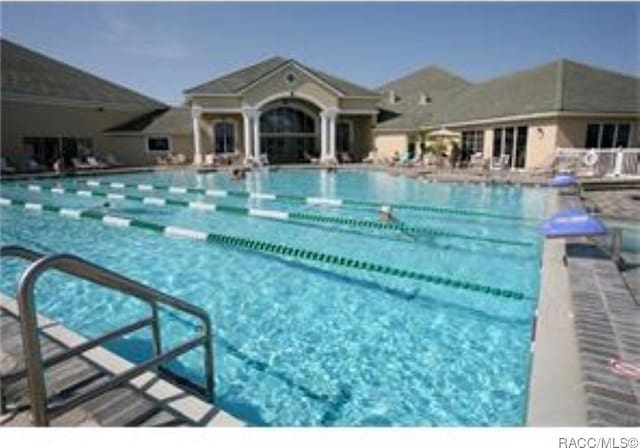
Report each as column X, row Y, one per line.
column 280, row 215
column 266, row 247
column 335, row 202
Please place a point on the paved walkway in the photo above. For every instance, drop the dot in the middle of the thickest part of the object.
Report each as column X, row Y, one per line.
column 616, row 204
column 607, row 326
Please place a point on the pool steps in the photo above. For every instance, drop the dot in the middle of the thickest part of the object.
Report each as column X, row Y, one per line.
column 277, row 249
column 280, row 215
column 335, row 202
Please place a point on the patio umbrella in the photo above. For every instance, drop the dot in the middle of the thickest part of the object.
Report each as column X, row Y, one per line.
column 444, row 133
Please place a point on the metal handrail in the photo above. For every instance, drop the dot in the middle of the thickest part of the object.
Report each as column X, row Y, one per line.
column 83, row 269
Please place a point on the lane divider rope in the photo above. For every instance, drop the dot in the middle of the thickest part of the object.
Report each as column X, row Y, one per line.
column 280, row 215
column 271, row 248
column 336, row 202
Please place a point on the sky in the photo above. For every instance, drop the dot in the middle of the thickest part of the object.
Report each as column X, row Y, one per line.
column 161, row 49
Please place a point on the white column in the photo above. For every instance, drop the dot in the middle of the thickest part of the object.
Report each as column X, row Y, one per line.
column 323, row 137
column 246, row 122
column 256, row 136
column 197, row 138
column 333, row 118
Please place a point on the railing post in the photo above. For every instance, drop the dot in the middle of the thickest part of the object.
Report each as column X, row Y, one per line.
column 208, row 360
column 155, row 330
column 617, row 171
column 32, row 354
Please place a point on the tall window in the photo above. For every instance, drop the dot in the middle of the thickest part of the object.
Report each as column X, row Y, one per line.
column 343, row 137
column 224, row 134
column 607, row 135
column 46, row 150
column 472, row 142
column 511, row 142
column 286, row 120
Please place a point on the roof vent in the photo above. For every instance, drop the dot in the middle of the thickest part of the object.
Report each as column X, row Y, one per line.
column 424, row 99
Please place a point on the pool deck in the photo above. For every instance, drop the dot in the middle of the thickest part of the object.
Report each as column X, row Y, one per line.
column 587, row 317
column 145, row 401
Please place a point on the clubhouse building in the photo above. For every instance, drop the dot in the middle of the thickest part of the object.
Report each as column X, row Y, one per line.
column 287, row 112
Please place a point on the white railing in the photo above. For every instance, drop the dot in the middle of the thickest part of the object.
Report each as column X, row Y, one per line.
column 616, row 162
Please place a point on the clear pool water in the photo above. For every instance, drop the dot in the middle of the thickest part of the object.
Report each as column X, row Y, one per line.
column 302, row 343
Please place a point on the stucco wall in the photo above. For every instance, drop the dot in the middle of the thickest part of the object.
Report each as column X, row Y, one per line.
column 304, row 86
column 220, row 102
column 207, row 122
column 541, row 139
column 572, row 131
column 21, row 120
column 363, row 136
column 387, row 144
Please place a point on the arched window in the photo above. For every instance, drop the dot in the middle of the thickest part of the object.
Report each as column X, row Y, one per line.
column 286, row 120
column 225, row 138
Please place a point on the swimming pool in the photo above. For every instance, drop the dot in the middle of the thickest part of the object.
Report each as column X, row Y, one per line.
column 300, row 341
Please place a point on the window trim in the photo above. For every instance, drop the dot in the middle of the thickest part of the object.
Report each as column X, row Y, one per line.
column 158, row 151
column 352, row 133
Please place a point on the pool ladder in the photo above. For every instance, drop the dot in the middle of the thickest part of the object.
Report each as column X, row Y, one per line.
column 41, row 413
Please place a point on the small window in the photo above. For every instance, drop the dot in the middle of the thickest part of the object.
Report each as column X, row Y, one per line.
column 291, row 78
column 158, row 144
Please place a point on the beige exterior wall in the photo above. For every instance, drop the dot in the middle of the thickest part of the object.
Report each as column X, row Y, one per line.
column 20, row 120
column 362, row 138
column 541, row 138
column 572, row 131
column 304, row 87
column 387, row 144
column 217, row 102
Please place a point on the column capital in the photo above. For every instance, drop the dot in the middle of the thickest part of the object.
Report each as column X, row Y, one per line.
column 330, row 112
column 196, row 112
column 251, row 112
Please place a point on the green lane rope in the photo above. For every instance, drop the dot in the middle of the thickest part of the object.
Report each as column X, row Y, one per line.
column 274, row 248
column 311, row 217
column 303, row 199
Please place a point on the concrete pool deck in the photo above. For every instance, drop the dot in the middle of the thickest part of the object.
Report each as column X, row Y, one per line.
column 587, row 319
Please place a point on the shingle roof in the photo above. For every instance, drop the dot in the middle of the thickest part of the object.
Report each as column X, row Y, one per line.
column 174, row 121
column 234, row 82
column 407, row 113
column 25, row 72
column 139, row 123
column 558, row 86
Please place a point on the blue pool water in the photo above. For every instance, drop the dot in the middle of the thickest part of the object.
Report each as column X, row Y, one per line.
column 305, row 343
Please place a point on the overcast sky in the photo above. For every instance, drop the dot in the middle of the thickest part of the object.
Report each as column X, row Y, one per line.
column 162, row 49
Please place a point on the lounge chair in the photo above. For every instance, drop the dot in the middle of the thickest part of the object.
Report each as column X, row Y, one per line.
column 371, row 158
column 345, row 157
column 80, row 165
column 34, row 167
column 112, row 161
column 178, row 159
column 311, row 159
column 95, row 163
column 6, row 167
column 209, row 160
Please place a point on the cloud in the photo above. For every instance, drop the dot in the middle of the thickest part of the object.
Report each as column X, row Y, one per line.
column 148, row 40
